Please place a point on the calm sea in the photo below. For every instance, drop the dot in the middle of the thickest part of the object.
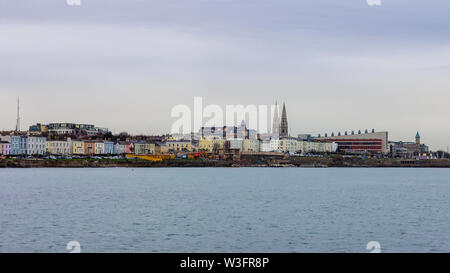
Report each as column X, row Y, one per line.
column 225, row 210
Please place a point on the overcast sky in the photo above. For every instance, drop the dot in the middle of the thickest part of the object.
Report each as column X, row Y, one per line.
column 123, row 64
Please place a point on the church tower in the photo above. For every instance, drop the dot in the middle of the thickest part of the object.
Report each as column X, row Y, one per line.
column 284, row 123
column 417, row 139
column 276, row 121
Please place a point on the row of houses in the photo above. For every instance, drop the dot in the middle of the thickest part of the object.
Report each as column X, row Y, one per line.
column 284, row 145
column 38, row 145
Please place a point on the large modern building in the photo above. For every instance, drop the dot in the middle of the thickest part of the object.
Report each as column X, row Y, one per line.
column 67, row 129
column 360, row 143
column 227, row 132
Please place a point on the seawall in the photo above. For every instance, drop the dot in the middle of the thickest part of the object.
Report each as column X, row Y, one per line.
column 246, row 161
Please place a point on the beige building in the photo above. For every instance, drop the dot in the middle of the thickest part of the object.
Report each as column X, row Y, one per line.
column 316, row 147
column 99, row 147
column 288, row 145
column 161, row 148
column 211, row 145
column 77, row 147
column 144, row 148
column 59, row 147
column 175, row 146
column 250, row 145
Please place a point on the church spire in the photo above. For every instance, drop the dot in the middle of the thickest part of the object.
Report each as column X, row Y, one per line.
column 284, row 130
column 276, row 121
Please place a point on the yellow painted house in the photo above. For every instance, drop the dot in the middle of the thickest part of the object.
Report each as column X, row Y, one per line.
column 210, row 144
column 179, row 146
column 77, row 147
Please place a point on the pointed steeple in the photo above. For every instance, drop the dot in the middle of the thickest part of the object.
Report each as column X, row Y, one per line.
column 284, row 129
column 18, row 116
column 276, row 121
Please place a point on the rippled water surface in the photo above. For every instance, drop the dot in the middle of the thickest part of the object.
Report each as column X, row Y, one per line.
column 225, row 210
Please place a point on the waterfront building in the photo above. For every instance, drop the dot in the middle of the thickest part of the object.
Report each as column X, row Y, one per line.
column 360, row 143
column 5, row 148
column 161, row 148
column 5, row 145
column 330, row 147
column 77, row 147
column 28, row 145
column 89, row 147
column 234, row 144
column 128, row 147
column 179, row 146
column 205, row 145
column 18, row 145
column 99, row 147
column 250, row 145
column 59, row 147
column 35, row 145
column 124, row 147
column 118, row 148
column 409, row 149
column 144, row 148
column 288, row 144
column 264, row 145
column 305, row 147
column 211, row 145
column 270, row 145
column 108, row 147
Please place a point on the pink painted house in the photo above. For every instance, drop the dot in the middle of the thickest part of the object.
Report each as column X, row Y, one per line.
column 128, row 147
column 124, row 147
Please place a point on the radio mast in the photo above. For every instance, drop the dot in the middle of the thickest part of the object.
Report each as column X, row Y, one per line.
column 18, row 116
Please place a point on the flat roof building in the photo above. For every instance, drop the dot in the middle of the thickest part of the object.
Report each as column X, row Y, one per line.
column 360, row 143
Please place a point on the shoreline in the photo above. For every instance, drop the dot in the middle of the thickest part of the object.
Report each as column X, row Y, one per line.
column 292, row 162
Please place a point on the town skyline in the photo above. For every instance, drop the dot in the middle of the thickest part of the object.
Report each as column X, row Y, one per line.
column 160, row 132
